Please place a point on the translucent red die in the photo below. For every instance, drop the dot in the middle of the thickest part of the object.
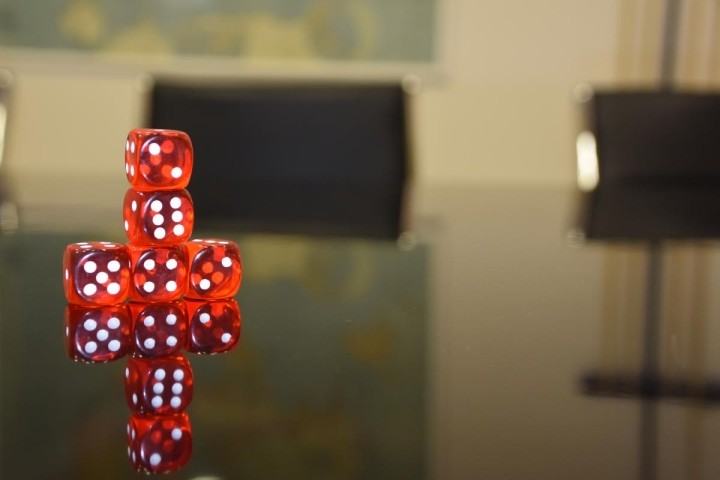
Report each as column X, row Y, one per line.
column 214, row 325
column 97, row 334
column 159, row 444
column 159, row 274
column 96, row 273
column 158, row 329
column 158, row 217
column 215, row 269
column 158, row 386
column 158, row 159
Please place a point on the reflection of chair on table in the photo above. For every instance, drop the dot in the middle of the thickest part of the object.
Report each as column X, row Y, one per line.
column 654, row 178
column 296, row 158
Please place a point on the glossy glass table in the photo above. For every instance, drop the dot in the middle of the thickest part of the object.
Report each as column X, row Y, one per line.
column 458, row 352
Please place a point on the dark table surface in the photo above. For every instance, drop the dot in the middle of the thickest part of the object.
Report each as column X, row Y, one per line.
column 457, row 352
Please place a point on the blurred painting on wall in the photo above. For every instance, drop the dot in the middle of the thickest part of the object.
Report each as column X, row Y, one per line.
column 368, row 30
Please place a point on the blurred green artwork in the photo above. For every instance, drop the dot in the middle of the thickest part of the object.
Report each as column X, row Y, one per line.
column 370, row 30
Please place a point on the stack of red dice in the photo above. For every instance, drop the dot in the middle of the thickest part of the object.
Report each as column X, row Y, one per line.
column 153, row 297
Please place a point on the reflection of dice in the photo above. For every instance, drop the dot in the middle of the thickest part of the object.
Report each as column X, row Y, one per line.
column 214, row 326
column 96, row 273
column 95, row 335
column 159, row 444
column 158, row 386
column 159, row 274
column 158, row 328
column 158, row 217
column 215, row 269
column 158, row 159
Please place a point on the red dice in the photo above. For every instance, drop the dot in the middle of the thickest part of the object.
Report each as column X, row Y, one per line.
column 154, row 297
column 158, row 329
column 96, row 335
column 159, row 444
column 215, row 269
column 214, row 326
column 158, row 159
column 96, row 273
column 158, row 386
column 158, row 217
column 159, row 274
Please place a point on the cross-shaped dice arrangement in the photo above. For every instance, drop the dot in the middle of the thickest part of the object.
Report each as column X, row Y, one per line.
column 154, row 297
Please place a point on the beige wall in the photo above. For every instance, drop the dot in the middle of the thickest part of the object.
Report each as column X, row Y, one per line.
column 505, row 115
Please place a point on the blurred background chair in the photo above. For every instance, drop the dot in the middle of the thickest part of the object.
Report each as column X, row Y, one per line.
column 8, row 208
column 320, row 158
column 647, row 163
column 647, row 173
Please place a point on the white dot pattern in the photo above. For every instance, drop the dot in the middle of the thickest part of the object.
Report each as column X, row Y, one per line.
column 226, row 262
column 204, row 317
column 113, row 266
column 154, row 149
column 171, row 264
column 149, row 321
column 114, row 345
column 90, row 266
column 171, row 319
column 155, row 459
column 113, row 323
column 176, row 434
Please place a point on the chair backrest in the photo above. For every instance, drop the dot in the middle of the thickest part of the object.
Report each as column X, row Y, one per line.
column 658, row 166
column 296, row 158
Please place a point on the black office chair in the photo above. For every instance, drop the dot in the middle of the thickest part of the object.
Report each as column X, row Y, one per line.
column 648, row 166
column 8, row 208
column 309, row 158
